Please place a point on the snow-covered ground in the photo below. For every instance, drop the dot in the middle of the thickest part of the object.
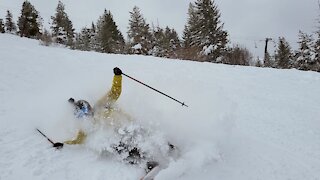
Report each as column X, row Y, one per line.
column 242, row 123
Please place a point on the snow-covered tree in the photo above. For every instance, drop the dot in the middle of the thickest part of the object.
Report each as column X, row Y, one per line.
column 206, row 30
column 267, row 60
column 2, row 30
column 304, row 56
column 189, row 32
column 189, row 49
column 316, row 48
column 10, row 25
column 172, row 41
column 109, row 38
column 165, row 42
column 283, row 56
column 258, row 62
column 84, row 39
column 62, row 28
column 186, row 37
column 172, row 36
column 158, row 41
column 139, row 33
column 316, row 66
column 29, row 22
column 94, row 44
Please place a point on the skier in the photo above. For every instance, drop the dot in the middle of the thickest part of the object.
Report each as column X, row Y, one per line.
column 102, row 111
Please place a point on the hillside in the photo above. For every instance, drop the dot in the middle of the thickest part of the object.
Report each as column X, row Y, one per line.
column 241, row 123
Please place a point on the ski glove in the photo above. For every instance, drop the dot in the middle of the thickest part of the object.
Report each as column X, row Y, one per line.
column 58, row 145
column 117, row 71
column 71, row 100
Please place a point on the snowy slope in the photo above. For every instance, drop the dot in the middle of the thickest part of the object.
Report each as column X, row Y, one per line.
column 242, row 122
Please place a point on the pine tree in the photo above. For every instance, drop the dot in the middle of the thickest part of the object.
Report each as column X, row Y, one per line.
column 208, row 31
column 186, row 37
column 316, row 48
column 10, row 25
column 94, row 45
column 304, row 59
column 29, row 22
column 190, row 29
column 158, row 41
column 172, row 42
column 283, row 54
column 189, row 49
column 109, row 38
column 258, row 62
column 165, row 42
column 140, row 37
column 173, row 37
column 2, row 30
column 267, row 61
column 62, row 27
column 84, row 39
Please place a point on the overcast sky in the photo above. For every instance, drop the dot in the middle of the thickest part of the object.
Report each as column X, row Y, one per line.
column 248, row 22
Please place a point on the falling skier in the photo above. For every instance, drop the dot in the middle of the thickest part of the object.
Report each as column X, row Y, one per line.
column 103, row 110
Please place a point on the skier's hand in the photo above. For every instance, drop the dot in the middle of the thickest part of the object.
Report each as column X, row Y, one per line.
column 117, row 71
column 71, row 100
column 58, row 145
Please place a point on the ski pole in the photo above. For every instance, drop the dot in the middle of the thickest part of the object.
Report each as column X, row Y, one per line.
column 182, row 103
column 45, row 136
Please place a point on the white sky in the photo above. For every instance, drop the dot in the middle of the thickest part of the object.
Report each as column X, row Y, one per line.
column 248, row 22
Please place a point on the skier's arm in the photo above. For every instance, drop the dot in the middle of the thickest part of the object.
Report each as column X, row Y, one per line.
column 81, row 136
column 115, row 91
